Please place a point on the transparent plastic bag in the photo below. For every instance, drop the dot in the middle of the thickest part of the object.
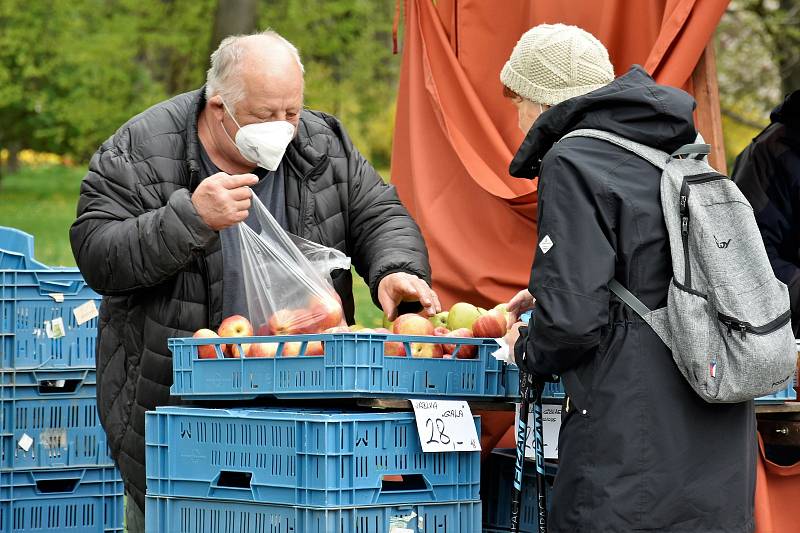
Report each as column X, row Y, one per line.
column 287, row 280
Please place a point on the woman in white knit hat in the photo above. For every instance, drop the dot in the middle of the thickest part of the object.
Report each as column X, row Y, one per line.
column 639, row 450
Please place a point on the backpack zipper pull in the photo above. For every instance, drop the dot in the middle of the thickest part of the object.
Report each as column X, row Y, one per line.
column 730, row 328
column 685, row 225
column 743, row 329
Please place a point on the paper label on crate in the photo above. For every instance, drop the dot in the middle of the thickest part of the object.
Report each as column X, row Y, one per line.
column 551, row 426
column 57, row 296
column 445, row 426
column 54, row 328
column 85, row 312
column 25, row 442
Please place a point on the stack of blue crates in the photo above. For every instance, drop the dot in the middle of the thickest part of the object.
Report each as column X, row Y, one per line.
column 55, row 470
column 306, row 470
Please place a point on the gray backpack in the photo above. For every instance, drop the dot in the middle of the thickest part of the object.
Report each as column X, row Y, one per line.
column 727, row 320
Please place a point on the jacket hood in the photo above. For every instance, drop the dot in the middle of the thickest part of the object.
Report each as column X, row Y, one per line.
column 633, row 106
column 788, row 112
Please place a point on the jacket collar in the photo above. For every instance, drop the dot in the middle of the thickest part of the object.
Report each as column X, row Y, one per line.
column 191, row 138
column 301, row 154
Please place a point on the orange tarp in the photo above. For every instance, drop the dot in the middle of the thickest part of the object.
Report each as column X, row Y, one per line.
column 455, row 133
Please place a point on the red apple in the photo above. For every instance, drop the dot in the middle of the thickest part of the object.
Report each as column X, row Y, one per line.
column 235, row 326
column 264, row 349
column 291, row 349
column 465, row 351
column 207, row 352
column 315, row 348
column 292, row 322
column 440, row 331
column 411, row 324
column 383, row 331
column 394, row 349
column 264, row 330
column 491, row 325
column 326, row 312
column 423, row 350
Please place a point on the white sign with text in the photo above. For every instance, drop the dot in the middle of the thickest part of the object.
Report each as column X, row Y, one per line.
column 445, row 426
column 551, row 418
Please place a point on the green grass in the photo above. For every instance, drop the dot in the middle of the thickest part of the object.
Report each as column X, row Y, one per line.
column 42, row 200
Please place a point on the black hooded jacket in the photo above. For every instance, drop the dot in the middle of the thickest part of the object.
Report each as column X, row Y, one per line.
column 768, row 173
column 639, row 450
column 140, row 243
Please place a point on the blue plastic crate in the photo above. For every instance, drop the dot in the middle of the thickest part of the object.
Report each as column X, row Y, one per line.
column 26, row 305
column 56, row 413
column 496, row 489
column 301, row 457
column 175, row 515
column 88, row 500
column 16, row 250
column 354, row 364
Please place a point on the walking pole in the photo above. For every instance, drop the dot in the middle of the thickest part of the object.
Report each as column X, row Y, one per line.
column 529, row 391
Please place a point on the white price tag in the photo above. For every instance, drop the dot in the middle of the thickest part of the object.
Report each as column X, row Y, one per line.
column 25, row 442
column 57, row 296
column 85, row 312
column 54, row 328
column 445, row 426
column 551, row 418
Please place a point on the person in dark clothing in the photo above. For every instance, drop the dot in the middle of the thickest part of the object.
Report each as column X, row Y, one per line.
column 768, row 174
column 163, row 193
column 639, row 450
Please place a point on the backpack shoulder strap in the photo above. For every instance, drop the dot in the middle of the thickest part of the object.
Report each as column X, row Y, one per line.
column 655, row 157
column 627, row 296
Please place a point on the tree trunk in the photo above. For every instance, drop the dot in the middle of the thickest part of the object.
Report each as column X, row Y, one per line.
column 233, row 17
column 12, row 164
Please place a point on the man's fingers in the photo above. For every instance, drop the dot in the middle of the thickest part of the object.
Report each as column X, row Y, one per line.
column 238, row 180
column 388, row 305
column 242, row 205
column 437, row 305
column 241, row 193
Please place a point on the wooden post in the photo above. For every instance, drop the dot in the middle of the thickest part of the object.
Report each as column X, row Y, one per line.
column 709, row 118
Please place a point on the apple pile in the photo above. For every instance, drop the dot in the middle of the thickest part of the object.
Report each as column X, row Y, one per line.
column 462, row 321
column 322, row 316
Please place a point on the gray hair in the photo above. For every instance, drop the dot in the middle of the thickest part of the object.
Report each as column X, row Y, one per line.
column 223, row 79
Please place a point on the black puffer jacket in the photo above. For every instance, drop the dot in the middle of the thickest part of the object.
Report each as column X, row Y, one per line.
column 638, row 449
column 768, row 173
column 140, row 243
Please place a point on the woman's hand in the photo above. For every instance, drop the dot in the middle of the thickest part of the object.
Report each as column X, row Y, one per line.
column 522, row 302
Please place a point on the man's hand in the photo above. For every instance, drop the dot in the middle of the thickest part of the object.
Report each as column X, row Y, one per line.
column 402, row 287
column 223, row 200
column 523, row 301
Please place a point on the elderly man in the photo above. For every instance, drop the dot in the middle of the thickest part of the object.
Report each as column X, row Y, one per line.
column 156, row 211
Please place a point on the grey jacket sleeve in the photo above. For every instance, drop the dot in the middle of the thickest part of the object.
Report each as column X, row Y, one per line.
column 383, row 236
column 122, row 245
column 574, row 262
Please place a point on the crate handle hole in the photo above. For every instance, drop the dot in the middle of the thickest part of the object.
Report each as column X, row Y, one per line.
column 234, row 480
column 56, row 486
column 403, row 483
column 64, row 386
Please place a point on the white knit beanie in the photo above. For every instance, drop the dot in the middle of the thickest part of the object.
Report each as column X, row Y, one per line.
column 553, row 62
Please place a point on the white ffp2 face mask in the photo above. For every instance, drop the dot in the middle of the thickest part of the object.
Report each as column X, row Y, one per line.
column 263, row 143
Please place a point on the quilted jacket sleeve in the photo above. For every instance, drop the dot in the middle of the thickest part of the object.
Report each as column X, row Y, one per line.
column 119, row 244
column 383, row 236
